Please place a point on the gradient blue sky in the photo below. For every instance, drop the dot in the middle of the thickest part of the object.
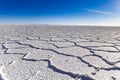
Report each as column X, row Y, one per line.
column 72, row 12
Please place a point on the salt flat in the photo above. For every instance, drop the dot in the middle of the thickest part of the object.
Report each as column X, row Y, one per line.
column 29, row 52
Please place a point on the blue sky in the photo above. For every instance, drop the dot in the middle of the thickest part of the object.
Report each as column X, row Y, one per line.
column 72, row 12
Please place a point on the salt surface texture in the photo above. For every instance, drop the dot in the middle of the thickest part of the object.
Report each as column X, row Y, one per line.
column 59, row 53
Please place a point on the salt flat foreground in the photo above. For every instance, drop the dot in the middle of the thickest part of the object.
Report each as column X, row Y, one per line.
column 59, row 53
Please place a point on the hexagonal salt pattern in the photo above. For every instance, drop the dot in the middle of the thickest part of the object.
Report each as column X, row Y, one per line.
column 30, row 52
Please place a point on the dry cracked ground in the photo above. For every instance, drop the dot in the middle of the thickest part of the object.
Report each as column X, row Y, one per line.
column 59, row 53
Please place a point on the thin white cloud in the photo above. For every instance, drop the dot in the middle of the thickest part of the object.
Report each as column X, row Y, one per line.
column 118, row 5
column 99, row 12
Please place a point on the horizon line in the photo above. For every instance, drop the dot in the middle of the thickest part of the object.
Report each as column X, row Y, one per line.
column 62, row 25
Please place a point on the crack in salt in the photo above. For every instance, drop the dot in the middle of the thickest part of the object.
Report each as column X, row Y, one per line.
column 31, row 46
column 54, row 68
column 6, row 49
